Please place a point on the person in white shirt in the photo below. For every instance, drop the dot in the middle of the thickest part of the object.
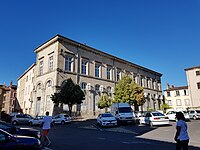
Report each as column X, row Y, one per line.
column 181, row 137
column 46, row 126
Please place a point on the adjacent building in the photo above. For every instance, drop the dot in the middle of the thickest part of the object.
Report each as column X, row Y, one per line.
column 25, row 90
column 193, row 80
column 178, row 98
column 95, row 71
column 8, row 99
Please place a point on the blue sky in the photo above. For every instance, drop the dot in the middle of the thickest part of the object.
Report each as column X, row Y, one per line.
column 162, row 35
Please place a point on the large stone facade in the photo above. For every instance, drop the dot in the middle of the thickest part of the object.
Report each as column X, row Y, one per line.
column 95, row 71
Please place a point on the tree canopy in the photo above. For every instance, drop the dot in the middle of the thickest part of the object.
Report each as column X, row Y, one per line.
column 69, row 94
column 127, row 91
column 104, row 101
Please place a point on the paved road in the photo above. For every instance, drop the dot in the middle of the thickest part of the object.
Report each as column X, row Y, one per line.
column 86, row 135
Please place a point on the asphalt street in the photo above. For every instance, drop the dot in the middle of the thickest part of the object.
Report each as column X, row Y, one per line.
column 86, row 135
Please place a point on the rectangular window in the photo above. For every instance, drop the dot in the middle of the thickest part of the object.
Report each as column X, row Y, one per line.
column 97, row 70
column 198, row 85
column 169, row 102
column 187, row 102
column 84, row 67
column 118, row 74
column 41, row 68
column 185, row 92
column 68, row 63
column 177, row 93
column 50, row 63
column 197, row 73
column 108, row 73
column 168, row 94
column 178, row 102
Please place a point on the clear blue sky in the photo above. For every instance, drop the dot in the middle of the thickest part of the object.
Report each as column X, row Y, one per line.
column 162, row 35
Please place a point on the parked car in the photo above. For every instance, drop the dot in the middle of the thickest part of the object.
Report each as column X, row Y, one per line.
column 16, row 142
column 36, row 121
column 20, row 119
column 106, row 119
column 123, row 112
column 194, row 114
column 19, row 131
column 154, row 118
column 172, row 115
column 61, row 118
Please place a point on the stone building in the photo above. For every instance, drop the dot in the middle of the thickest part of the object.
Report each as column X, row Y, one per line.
column 95, row 71
column 8, row 99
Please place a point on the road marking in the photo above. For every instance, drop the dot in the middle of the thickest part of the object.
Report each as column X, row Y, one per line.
column 138, row 142
column 97, row 127
column 46, row 148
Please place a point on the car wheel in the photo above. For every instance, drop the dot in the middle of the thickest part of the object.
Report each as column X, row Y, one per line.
column 194, row 117
column 14, row 122
column 151, row 124
column 62, row 122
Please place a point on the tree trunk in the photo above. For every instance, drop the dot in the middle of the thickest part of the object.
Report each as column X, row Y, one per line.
column 70, row 109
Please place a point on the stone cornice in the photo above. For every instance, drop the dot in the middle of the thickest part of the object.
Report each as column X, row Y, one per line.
column 61, row 38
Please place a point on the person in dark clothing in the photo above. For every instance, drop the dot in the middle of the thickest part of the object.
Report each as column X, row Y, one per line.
column 181, row 136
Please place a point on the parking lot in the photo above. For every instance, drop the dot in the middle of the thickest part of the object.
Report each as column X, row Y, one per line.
column 82, row 135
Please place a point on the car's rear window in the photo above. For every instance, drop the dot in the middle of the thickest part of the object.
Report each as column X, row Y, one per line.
column 158, row 114
column 66, row 115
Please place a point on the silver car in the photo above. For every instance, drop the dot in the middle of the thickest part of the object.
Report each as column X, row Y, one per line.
column 194, row 114
column 20, row 119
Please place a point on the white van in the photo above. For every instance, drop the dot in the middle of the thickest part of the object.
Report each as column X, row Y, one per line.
column 123, row 112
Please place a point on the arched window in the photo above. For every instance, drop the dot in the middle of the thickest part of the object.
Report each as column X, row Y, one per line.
column 97, row 86
column 109, row 91
column 49, row 83
column 39, row 86
column 83, row 85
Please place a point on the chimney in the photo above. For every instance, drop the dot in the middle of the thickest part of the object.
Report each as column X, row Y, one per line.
column 167, row 86
column 172, row 86
column 10, row 83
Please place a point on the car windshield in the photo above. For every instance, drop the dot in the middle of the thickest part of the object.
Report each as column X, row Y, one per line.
column 157, row 114
column 125, row 110
column 107, row 115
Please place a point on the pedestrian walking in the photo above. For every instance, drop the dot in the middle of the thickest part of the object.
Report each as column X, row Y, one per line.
column 46, row 126
column 181, row 136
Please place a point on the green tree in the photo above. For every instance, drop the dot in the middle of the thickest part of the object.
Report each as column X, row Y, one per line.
column 127, row 91
column 104, row 101
column 69, row 94
column 165, row 106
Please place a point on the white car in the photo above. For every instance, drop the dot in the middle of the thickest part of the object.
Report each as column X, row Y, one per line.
column 154, row 118
column 172, row 115
column 106, row 119
column 61, row 119
column 36, row 121
column 194, row 114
